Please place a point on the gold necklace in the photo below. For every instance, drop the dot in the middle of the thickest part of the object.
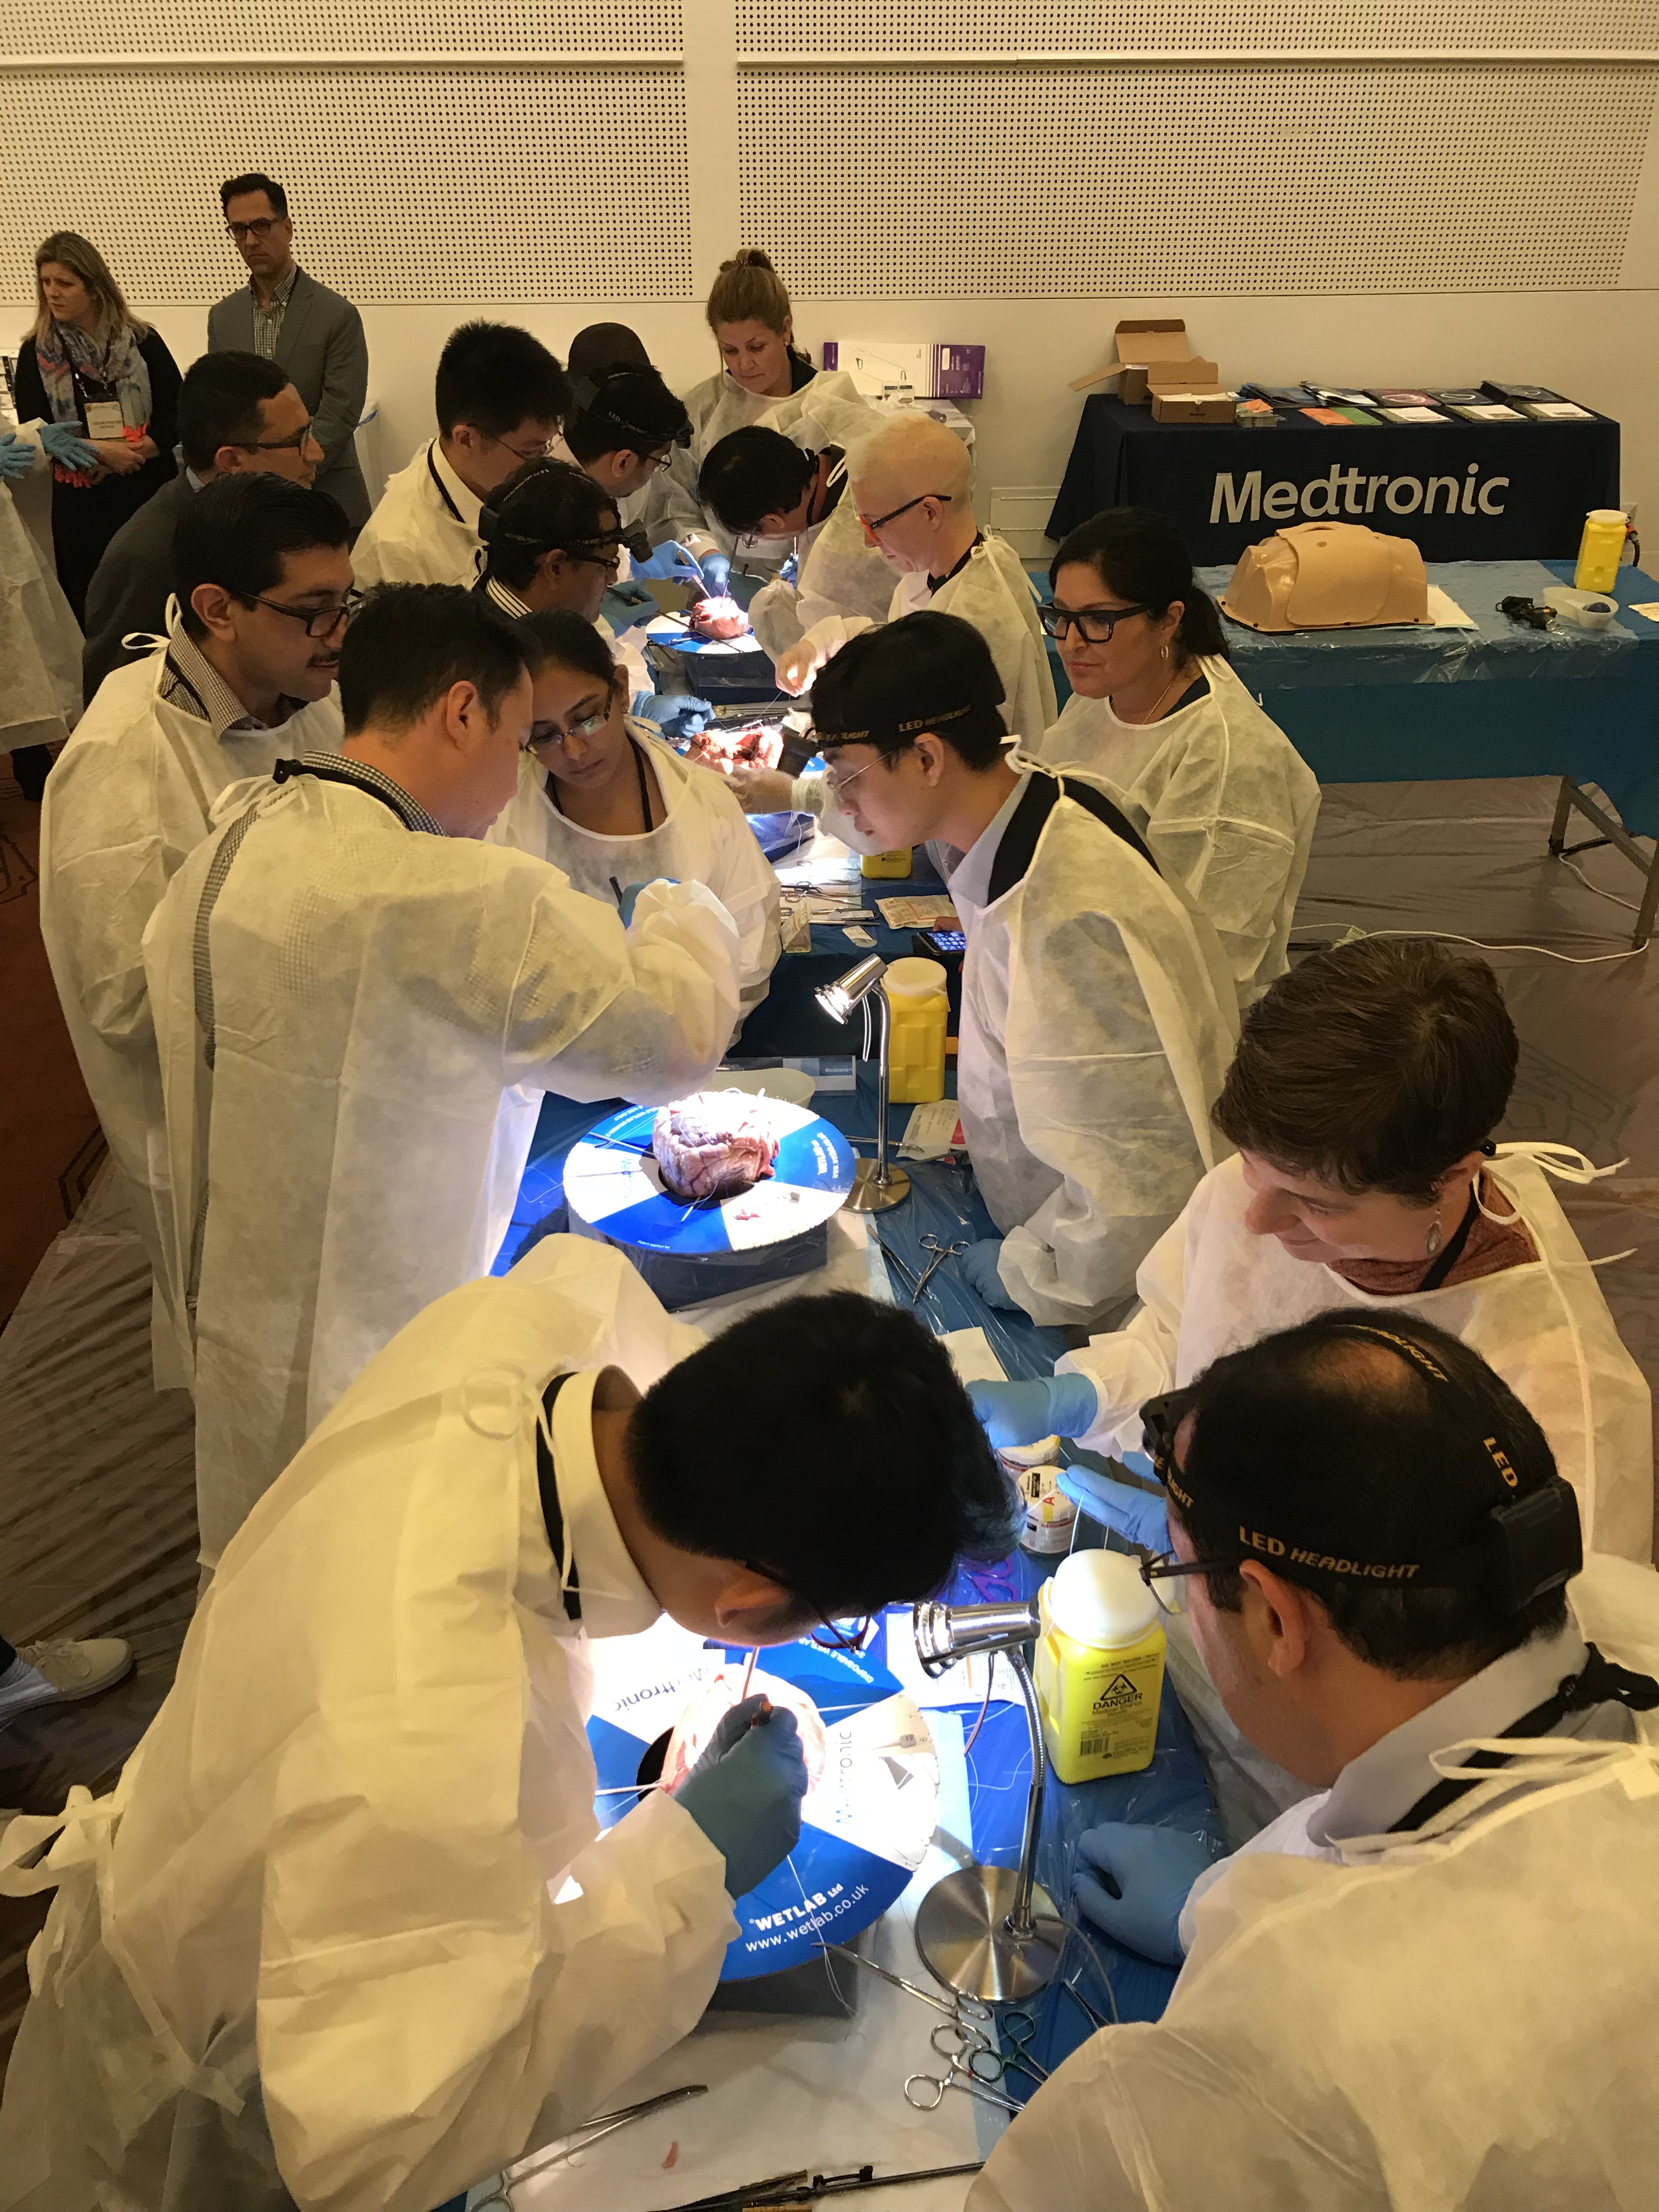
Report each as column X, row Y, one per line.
column 1182, row 677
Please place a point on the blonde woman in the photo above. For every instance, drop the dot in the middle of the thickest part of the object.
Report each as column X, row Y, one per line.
column 764, row 377
column 108, row 390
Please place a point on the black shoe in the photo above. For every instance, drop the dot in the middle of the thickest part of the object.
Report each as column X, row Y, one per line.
column 30, row 764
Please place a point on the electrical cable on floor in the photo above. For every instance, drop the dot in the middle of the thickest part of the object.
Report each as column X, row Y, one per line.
column 1491, row 945
column 1629, row 905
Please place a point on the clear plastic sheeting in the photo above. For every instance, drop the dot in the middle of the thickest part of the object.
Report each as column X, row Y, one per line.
column 1495, row 650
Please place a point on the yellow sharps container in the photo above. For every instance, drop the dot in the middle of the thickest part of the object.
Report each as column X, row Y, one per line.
column 1099, row 1668
column 921, row 1016
column 1600, row 549
column 894, row 865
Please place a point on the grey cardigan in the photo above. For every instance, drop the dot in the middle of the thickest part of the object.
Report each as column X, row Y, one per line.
column 322, row 347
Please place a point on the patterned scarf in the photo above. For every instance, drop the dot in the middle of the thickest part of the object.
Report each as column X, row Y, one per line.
column 67, row 351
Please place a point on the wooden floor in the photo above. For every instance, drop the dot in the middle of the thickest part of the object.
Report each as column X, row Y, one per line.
column 96, row 1503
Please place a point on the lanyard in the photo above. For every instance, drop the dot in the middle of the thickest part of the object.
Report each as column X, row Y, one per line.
column 936, row 583
column 432, row 471
column 547, row 1482
column 1600, row 1683
column 639, row 771
column 1452, row 1250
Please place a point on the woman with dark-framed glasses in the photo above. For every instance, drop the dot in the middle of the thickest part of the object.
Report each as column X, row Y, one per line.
column 1220, row 794
column 1433, row 1981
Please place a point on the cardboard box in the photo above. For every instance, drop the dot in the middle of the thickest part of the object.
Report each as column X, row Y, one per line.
column 1206, row 402
column 1191, row 374
column 1140, row 342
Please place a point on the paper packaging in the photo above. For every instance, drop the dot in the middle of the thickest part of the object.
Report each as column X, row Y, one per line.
column 1200, row 403
column 1142, row 343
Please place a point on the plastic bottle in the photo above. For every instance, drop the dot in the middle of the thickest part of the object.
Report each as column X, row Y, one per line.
column 1600, row 549
column 1099, row 1666
column 896, row 864
column 921, row 1016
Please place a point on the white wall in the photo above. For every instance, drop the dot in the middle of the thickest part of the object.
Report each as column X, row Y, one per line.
column 1599, row 348
column 900, row 149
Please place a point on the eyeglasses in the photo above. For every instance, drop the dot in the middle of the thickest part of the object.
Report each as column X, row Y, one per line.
column 319, row 622
column 881, row 521
column 259, row 229
column 550, row 733
column 1094, row 625
column 837, row 784
column 536, row 453
column 297, row 443
column 829, row 1636
column 1164, row 1577
column 610, row 561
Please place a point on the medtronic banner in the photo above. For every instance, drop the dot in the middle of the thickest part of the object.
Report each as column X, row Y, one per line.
column 1464, row 491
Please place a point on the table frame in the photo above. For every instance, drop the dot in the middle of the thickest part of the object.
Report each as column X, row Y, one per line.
column 1573, row 799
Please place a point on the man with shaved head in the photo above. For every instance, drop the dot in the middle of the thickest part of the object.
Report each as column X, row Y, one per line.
column 913, row 489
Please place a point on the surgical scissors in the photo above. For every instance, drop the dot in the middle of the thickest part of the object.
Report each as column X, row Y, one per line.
column 976, row 2054
column 965, row 2012
column 941, row 1253
column 956, row 2077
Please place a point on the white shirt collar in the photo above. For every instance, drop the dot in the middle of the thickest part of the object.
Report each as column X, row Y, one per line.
column 972, row 877
column 615, row 1599
column 1373, row 1791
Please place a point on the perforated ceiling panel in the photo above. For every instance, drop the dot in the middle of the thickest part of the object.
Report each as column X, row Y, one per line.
column 1148, row 180
column 463, row 183
column 766, row 27
column 347, row 26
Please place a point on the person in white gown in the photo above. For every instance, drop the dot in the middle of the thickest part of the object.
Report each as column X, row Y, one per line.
column 1435, row 1981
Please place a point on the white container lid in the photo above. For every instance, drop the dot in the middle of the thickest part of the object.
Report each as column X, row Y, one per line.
column 1610, row 515
column 1098, row 1598
column 915, row 979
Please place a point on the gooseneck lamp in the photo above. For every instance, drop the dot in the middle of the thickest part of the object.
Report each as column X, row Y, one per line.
column 989, row 1931
column 877, row 1184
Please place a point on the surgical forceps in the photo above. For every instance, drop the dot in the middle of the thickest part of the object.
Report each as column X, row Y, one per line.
column 581, row 2138
column 941, row 1253
column 955, row 2077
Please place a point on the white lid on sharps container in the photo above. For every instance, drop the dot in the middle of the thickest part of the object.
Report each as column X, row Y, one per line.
column 1098, row 1598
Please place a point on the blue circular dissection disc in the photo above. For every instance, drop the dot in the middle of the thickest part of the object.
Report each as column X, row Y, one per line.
column 865, row 1822
column 611, row 1183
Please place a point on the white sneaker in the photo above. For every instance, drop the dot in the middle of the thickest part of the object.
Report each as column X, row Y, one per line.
column 59, row 1672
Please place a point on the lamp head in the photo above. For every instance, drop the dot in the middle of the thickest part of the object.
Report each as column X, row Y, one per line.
column 838, row 999
column 945, row 1633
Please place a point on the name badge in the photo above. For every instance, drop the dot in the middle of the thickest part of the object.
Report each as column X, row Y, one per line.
column 104, row 420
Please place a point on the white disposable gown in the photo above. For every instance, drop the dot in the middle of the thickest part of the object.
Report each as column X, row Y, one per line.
column 1097, row 1021
column 1223, row 798
column 424, row 528
column 388, row 1008
column 131, row 796
column 1461, row 2019
column 1209, row 1286
column 992, row 591
column 839, row 575
column 353, row 1906
column 39, row 641
column 704, row 838
column 828, row 409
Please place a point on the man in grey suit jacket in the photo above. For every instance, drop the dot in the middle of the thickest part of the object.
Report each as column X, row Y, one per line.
column 286, row 317
column 236, row 413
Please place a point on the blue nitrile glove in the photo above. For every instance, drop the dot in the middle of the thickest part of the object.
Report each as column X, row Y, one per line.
column 671, row 563
column 1151, row 1870
column 1025, row 1412
column 16, row 457
column 978, row 1268
column 630, row 897
column 677, row 717
column 790, row 571
column 68, row 445
column 745, row 1793
column 632, row 595
column 1142, row 1515
column 716, row 571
